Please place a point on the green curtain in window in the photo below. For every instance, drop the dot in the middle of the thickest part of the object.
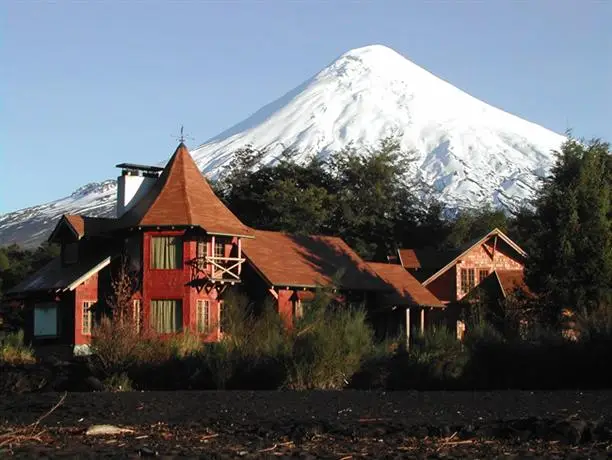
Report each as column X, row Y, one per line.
column 166, row 316
column 166, row 252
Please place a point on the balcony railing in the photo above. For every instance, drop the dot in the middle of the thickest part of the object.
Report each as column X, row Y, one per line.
column 216, row 268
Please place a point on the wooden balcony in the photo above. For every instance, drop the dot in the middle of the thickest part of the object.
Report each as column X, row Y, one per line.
column 215, row 270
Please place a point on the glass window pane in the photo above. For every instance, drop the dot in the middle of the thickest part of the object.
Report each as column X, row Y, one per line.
column 166, row 252
column 45, row 320
column 166, row 316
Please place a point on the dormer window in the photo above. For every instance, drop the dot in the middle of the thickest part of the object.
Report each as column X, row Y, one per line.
column 70, row 253
column 166, row 252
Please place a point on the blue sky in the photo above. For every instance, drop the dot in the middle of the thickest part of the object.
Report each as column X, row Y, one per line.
column 84, row 86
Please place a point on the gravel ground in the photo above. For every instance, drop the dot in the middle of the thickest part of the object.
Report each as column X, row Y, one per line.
column 344, row 424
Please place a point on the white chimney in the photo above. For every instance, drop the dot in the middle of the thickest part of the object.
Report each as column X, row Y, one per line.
column 133, row 183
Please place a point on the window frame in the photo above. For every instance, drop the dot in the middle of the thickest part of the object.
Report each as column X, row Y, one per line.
column 219, row 254
column 202, row 253
column 136, row 314
column 468, row 279
column 87, row 312
column 179, row 250
column 482, row 274
column 46, row 305
column 203, row 323
column 179, row 307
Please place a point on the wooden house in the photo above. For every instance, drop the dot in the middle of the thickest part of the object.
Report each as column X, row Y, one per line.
column 493, row 260
column 183, row 247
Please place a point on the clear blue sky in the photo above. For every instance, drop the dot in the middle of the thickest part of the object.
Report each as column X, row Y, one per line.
column 86, row 85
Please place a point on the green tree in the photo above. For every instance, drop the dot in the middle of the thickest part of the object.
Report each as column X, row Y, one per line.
column 363, row 196
column 16, row 263
column 570, row 261
column 474, row 223
column 376, row 204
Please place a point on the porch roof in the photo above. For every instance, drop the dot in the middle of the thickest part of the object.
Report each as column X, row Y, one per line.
column 407, row 289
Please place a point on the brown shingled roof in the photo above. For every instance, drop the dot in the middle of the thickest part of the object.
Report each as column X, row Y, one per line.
column 511, row 280
column 77, row 223
column 181, row 196
column 309, row 261
column 408, row 290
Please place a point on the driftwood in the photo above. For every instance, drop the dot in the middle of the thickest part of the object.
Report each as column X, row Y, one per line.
column 30, row 432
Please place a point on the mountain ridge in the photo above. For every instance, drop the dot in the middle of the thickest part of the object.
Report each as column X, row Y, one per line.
column 468, row 151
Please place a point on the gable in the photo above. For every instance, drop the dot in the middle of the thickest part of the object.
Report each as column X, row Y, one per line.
column 493, row 247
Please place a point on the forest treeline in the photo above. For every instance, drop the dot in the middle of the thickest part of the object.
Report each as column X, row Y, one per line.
column 366, row 197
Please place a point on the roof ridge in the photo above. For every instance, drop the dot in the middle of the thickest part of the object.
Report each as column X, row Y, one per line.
column 185, row 186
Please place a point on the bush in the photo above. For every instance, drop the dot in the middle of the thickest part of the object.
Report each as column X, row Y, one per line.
column 116, row 345
column 13, row 351
column 185, row 344
column 118, row 382
column 329, row 349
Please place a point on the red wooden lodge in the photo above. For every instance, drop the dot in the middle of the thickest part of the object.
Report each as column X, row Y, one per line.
column 186, row 249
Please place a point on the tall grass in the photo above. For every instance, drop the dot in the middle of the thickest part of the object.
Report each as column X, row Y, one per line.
column 13, row 350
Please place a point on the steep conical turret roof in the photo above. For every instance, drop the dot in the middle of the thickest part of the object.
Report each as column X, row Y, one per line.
column 182, row 196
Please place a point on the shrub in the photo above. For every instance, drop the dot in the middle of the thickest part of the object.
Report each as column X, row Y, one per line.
column 13, row 350
column 330, row 347
column 116, row 345
column 118, row 382
column 185, row 344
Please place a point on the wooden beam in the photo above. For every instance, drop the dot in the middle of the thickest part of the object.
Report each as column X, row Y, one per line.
column 423, row 320
column 212, row 251
column 494, row 247
column 273, row 292
column 239, row 254
column 407, row 328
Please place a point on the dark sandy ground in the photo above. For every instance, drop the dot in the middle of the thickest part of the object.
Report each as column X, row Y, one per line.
column 344, row 424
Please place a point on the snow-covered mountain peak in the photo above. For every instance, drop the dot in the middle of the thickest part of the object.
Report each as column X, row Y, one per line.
column 468, row 151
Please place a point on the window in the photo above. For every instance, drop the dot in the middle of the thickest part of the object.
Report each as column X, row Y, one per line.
column 482, row 274
column 467, row 279
column 166, row 252
column 203, row 315
column 202, row 253
column 45, row 320
column 87, row 317
column 70, row 253
column 166, row 316
column 219, row 249
column 136, row 314
column 298, row 309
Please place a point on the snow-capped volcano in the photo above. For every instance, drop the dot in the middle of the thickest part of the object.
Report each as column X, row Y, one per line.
column 469, row 151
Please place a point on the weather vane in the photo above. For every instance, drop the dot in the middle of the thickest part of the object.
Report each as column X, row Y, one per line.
column 182, row 137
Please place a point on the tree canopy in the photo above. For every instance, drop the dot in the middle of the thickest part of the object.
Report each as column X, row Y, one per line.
column 363, row 196
column 570, row 261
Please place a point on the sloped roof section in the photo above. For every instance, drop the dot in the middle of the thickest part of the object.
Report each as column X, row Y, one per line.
column 309, row 261
column 425, row 258
column 77, row 223
column 73, row 223
column 182, row 196
column 58, row 277
column 407, row 289
column 82, row 225
column 512, row 280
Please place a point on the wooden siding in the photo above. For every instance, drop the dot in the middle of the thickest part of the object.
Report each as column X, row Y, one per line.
column 483, row 257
